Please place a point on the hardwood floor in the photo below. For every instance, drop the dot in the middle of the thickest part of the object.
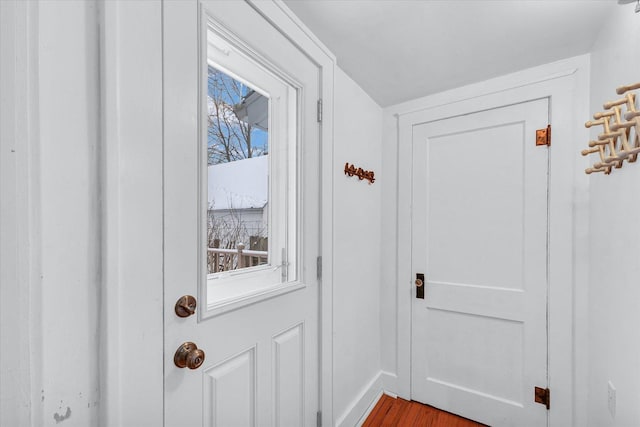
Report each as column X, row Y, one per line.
column 393, row 412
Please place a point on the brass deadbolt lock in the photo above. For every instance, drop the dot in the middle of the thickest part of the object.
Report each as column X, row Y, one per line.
column 419, row 285
column 185, row 306
column 188, row 355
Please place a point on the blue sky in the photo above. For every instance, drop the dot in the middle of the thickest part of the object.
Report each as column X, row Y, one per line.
column 259, row 138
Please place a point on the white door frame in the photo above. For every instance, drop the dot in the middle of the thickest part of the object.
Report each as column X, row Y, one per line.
column 132, row 296
column 566, row 85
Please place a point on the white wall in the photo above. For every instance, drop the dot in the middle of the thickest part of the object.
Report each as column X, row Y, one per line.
column 614, row 286
column 15, row 369
column 69, row 210
column 50, row 296
column 356, row 258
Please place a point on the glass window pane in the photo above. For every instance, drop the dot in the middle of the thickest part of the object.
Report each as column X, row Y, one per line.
column 238, row 174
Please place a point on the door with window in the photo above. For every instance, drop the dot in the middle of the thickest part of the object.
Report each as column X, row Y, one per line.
column 479, row 230
column 241, row 220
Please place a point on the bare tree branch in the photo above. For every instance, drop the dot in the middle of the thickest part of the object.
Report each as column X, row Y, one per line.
column 230, row 138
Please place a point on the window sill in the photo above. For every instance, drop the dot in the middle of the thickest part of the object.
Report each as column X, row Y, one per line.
column 218, row 307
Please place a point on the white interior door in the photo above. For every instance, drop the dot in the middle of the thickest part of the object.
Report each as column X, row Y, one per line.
column 257, row 326
column 479, row 221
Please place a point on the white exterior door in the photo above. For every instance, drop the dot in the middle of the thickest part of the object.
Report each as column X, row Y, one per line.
column 258, row 329
column 479, row 221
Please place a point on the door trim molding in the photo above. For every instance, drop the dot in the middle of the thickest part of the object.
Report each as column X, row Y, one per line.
column 283, row 19
column 566, row 84
column 131, row 389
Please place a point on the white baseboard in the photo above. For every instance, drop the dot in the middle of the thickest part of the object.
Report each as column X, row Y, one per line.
column 360, row 408
column 373, row 404
column 390, row 384
column 363, row 404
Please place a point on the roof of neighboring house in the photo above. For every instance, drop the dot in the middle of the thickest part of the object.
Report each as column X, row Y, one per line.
column 254, row 109
column 243, row 184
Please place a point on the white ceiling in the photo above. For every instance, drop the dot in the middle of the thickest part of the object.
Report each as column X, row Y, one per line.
column 398, row 50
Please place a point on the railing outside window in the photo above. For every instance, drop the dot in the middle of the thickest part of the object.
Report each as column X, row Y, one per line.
column 221, row 259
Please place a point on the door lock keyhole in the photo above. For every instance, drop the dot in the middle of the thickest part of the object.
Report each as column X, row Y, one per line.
column 188, row 355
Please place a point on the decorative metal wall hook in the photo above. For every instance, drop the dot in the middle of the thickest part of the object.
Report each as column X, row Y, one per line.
column 351, row 170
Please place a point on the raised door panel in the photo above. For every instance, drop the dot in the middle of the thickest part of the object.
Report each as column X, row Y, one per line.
column 288, row 361
column 229, row 395
column 474, row 185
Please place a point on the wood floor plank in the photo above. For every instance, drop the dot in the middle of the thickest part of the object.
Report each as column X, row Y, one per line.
column 410, row 415
column 392, row 412
column 395, row 414
column 379, row 412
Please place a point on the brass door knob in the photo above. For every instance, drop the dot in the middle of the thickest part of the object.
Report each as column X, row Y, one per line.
column 419, row 283
column 185, row 306
column 188, row 355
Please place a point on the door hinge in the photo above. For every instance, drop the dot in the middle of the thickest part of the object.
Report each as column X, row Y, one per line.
column 319, row 268
column 543, row 136
column 319, row 110
column 543, row 396
column 319, row 419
